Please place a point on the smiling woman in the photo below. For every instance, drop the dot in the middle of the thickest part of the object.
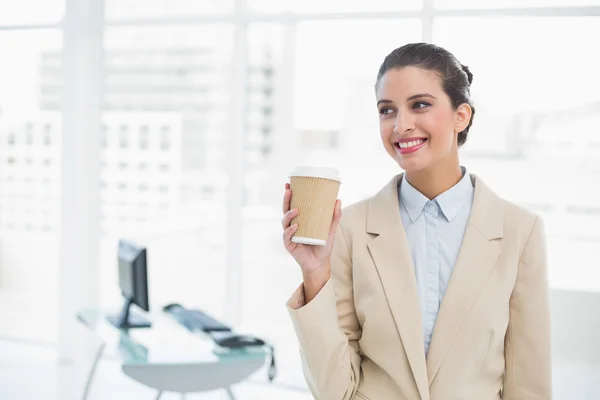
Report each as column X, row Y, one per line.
column 422, row 91
column 458, row 326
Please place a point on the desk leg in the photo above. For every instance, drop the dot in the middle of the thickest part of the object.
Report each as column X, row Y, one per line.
column 230, row 393
column 90, row 377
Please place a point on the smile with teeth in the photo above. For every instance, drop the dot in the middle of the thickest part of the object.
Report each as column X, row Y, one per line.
column 413, row 143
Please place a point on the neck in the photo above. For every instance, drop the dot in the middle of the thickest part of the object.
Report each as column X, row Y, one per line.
column 436, row 179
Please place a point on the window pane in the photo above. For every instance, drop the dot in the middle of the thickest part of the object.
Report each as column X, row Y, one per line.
column 475, row 4
column 166, row 99
column 164, row 8
column 335, row 66
column 328, row 6
column 31, row 12
column 536, row 105
column 30, row 136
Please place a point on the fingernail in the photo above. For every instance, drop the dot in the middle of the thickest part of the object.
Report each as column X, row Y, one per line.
column 295, row 226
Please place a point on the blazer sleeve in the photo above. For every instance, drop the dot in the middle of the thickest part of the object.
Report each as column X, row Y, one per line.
column 328, row 331
column 528, row 373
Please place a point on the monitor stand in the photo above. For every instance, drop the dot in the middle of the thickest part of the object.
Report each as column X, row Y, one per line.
column 125, row 320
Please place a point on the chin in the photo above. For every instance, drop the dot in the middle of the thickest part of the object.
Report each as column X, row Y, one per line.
column 413, row 164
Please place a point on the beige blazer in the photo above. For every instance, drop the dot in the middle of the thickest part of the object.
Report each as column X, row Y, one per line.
column 361, row 336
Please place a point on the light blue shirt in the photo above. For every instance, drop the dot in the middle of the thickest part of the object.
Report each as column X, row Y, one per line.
column 434, row 230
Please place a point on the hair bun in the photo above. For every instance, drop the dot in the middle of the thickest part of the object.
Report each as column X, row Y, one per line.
column 469, row 74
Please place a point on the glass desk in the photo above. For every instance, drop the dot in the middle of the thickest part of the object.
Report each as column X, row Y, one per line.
column 169, row 358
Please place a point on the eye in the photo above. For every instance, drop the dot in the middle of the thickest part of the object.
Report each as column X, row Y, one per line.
column 386, row 110
column 420, row 104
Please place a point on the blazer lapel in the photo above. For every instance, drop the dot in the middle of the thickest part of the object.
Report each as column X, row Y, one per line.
column 392, row 258
column 475, row 262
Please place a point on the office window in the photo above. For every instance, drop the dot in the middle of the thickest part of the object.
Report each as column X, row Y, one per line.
column 47, row 134
column 22, row 116
column 123, row 136
column 165, row 138
column 144, row 137
column 104, row 136
column 29, row 134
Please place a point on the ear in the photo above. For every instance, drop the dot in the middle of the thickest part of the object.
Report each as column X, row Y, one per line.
column 463, row 116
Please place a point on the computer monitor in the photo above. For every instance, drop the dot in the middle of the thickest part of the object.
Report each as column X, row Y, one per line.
column 133, row 282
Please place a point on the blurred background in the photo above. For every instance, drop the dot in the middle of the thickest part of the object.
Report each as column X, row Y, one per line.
column 175, row 123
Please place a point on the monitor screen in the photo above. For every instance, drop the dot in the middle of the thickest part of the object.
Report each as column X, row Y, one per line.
column 126, row 279
column 133, row 273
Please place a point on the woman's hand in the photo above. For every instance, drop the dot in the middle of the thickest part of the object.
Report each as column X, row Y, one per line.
column 313, row 260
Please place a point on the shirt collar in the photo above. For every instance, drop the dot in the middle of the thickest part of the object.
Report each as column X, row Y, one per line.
column 450, row 202
column 412, row 200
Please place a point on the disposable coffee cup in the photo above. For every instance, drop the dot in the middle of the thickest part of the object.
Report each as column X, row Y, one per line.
column 314, row 193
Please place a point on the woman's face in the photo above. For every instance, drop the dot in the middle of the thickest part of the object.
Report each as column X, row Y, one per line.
column 417, row 123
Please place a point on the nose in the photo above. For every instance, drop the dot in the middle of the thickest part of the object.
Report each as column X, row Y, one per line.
column 405, row 122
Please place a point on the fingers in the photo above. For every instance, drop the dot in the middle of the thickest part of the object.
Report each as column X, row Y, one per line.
column 287, row 235
column 287, row 196
column 287, row 218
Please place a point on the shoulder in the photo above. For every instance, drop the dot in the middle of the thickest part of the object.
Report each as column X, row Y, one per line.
column 518, row 222
column 518, row 215
column 354, row 220
column 355, row 213
column 521, row 225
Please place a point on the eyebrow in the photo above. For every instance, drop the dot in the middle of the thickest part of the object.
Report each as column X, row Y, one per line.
column 413, row 97
column 416, row 96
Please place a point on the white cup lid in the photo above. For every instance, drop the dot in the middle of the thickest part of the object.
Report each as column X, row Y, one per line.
column 317, row 172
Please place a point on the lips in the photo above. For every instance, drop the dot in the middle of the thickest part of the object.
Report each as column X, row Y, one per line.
column 409, row 145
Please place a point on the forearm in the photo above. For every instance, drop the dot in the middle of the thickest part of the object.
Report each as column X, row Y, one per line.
column 329, row 353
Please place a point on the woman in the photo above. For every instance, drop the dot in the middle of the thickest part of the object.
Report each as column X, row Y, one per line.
column 434, row 288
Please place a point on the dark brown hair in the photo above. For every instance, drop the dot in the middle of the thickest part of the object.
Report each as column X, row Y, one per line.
column 456, row 78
